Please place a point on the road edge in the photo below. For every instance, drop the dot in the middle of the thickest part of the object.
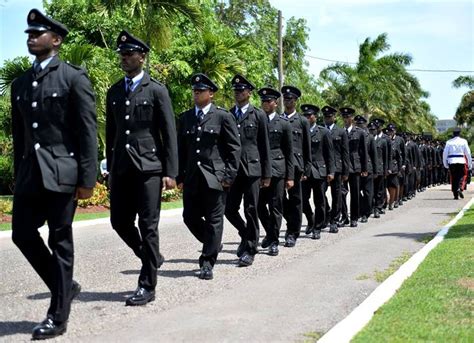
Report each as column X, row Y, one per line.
column 348, row 327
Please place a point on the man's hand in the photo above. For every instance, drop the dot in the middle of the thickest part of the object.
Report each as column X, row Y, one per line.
column 225, row 184
column 304, row 178
column 364, row 174
column 330, row 177
column 180, row 186
column 84, row 193
column 345, row 177
column 289, row 184
column 168, row 183
column 265, row 182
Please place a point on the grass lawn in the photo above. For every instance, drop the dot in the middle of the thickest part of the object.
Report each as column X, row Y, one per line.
column 436, row 304
column 95, row 215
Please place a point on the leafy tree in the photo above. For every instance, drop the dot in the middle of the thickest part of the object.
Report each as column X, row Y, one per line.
column 465, row 111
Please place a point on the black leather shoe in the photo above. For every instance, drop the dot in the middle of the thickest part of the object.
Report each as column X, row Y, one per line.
column 316, row 234
column 246, row 260
column 344, row 222
column 241, row 248
column 400, row 203
column 266, row 242
column 364, row 219
column 376, row 214
column 333, row 228
column 395, row 205
column 309, row 229
column 290, row 241
column 273, row 251
column 75, row 289
column 382, row 211
column 460, row 194
column 48, row 328
column 354, row 223
column 140, row 297
column 206, row 272
column 390, row 207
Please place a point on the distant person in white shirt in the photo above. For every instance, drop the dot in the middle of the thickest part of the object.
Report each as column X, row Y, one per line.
column 457, row 158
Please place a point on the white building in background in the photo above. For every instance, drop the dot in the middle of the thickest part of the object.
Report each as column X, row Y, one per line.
column 444, row 124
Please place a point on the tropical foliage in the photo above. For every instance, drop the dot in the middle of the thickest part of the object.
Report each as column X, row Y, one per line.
column 221, row 38
column 465, row 110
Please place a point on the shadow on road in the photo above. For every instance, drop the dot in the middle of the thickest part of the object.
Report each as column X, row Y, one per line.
column 13, row 328
column 414, row 235
column 88, row 296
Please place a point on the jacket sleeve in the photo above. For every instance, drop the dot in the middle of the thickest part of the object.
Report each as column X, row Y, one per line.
column 363, row 151
column 345, row 154
column 287, row 148
column 231, row 147
column 328, row 151
column 306, row 147
column 167, row 129
column 373, row 154
column 264, row 144
column 83, row 102
column 17, row 131
column 110, row 131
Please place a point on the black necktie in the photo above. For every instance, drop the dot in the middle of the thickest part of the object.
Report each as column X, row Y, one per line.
column 37, row 68
column 329, row 127
column 238, row 113
column 129, row 85
column 200, row 115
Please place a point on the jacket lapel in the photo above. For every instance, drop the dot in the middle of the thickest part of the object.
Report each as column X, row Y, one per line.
column 52, row 65
column 143, row 83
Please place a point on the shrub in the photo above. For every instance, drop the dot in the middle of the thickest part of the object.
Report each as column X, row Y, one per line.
column 171, row 195
column 6, row 174
column 99, row 198
column 6, row 206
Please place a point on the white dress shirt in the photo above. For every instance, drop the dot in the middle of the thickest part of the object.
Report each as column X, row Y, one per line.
column 456, row 151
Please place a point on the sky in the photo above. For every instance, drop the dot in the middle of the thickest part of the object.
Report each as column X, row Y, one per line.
column 438, row 34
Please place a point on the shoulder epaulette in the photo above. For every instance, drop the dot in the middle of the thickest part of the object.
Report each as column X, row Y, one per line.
column 156, row 81
column 73, row 65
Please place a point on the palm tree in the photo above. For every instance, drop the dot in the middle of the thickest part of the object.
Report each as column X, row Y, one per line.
column 465, row 111
column 155, row 18
column 379, row 85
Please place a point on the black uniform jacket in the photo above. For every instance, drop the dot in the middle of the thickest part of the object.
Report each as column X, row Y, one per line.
column 383, row 162
column 301, row 143
column 357, row 150
column 281, row 148
column 141, row 129
column 398, row 154
column 373, row 165
column 341, row 150
column 255, row 155
column 54, row 122
column 322, row 153
column 211, row 147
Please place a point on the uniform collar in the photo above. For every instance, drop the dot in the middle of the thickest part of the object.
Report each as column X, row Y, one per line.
column 205, row 109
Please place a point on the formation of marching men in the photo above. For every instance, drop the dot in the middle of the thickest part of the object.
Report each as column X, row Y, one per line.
column 273, row 163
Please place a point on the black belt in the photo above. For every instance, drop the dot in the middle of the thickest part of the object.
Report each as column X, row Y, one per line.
column 451, row 156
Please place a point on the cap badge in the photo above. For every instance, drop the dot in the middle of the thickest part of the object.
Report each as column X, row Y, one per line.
column 32, row 16
column 123, row 38
column 237, row 80
column 198, row 78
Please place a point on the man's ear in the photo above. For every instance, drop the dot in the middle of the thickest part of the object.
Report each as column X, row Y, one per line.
column 57, row 40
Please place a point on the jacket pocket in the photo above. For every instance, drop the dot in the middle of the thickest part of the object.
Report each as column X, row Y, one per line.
column 147, row 148
column 66, row 165
column 55, row 101
column 143, row 109
column 250, row 131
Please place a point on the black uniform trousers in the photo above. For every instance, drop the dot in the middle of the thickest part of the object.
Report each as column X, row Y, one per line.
column 457, row 171
column 293, row 207
column 30, row 211
column 366, row 195
column 247, row 188
column 270, row 208
column 379, row 192
column 203, row 214
column 132, row 193
column 354, row 184
column 336, row 195
column 307, row 210
column 318, row 186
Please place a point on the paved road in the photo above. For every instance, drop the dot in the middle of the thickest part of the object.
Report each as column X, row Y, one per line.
column 304, row 289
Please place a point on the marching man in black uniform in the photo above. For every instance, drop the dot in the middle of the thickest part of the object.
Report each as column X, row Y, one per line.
column 209, row 157
column 396, row 166
column 293, row 204
column 357, row 167
column 457, row 158
column 142, row 158
column 254, row 170
column 341, row 157
column 55, row 163
column 322, row 169
column 367, row 182
column 270, row 202
column 384, row 151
